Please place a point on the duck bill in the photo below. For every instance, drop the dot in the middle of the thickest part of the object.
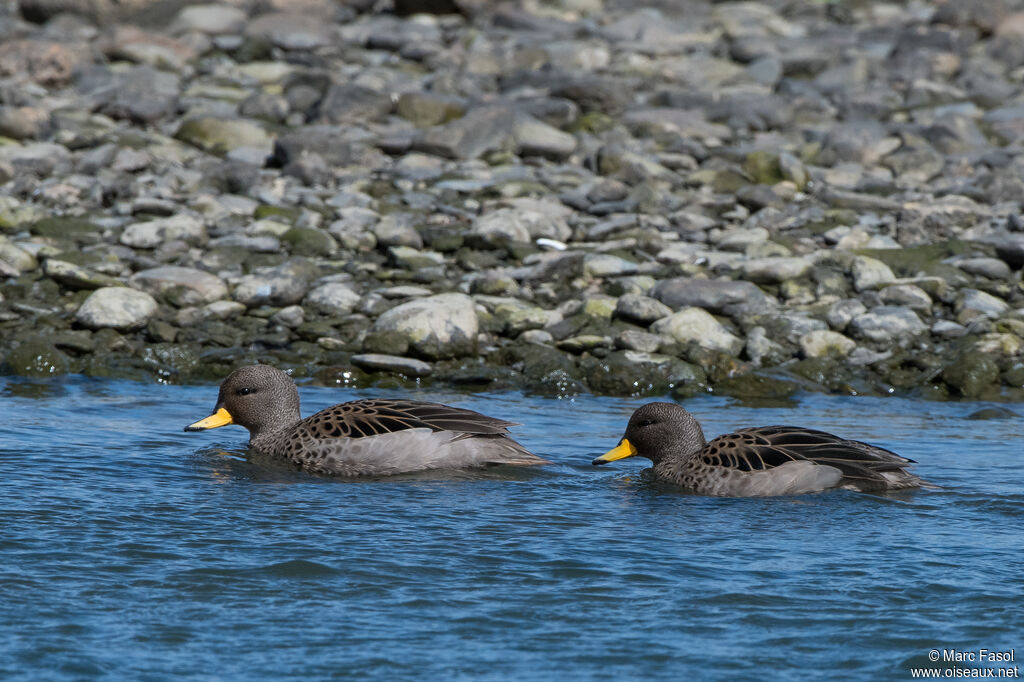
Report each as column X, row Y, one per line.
column 219, row 418
column 623, row 450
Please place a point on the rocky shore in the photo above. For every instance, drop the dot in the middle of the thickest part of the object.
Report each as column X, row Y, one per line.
column 753, row 198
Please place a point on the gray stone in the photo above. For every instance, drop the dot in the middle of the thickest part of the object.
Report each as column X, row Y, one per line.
column 821, row 343
column 153, row 233
column 290, row 316
column 396, row 229
column 776, row 270
column 292, row 31
column 187, row 286
column 536, row 138
column 221, row 135
column 283, row 285
column 441, row 326
column 870, row 273
column 696, row 325
column 607, row 265
column 17, row 259
column 720, row 296
column 212, row 19
column 379, row 362
column 502, row 225
column 910, row 295
column 482, row 130
column 75, row 276
column 117, row 308
column 842, row 313
column 333, row 298
column 640, row 309
column 887, row 324
column 633, row 339
column 993, row 268
column 763, row 351
column 947, row 329
column 972, row 303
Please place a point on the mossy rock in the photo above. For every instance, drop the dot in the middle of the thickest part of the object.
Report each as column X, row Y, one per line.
column 74, row 229
column 971, row 374
column 37, row 357
column 285, row 213
column 309, row 241
column 755, row 386
column 912, row 260
column 763, row 167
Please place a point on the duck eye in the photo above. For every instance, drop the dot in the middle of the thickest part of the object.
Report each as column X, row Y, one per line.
column 245, row 391
column 644, row 422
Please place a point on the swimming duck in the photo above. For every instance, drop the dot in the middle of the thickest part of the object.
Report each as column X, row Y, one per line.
column 760, row 461
column 362, row 437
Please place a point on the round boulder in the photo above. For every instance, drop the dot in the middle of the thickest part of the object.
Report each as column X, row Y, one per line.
column 442, row 326
column 116, row 307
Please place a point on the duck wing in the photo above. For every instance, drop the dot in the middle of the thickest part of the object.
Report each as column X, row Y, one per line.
column 863, row 466
column 379, row 416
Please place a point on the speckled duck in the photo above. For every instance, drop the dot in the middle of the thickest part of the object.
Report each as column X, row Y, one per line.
column 759, row 461
column 362, row 437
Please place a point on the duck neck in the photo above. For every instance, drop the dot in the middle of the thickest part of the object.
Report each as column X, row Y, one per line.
column 274, row 424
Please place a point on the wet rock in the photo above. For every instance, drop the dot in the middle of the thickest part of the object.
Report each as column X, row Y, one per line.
column 376, row 362
column 887, row 324
column 179, row 285
column 36, row 357
column 118, row 308
column 696, row 325
column 632, row 339
column 437, row 327
column 971, row 374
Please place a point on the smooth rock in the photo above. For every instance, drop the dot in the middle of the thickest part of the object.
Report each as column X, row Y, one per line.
column 715, row 295
column 972, row 303
column 153, row 233
column 698, row 326
column 183, row 286
column 119, row 308
column 821, row 343
column 887, row 324
column 870, row 273
column 283, row 285
column 640, row 309
column 436, row 327
column 377, row 362
column 333, row 298
column 775, row 270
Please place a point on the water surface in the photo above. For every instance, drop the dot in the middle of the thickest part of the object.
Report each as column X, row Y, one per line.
column 132, row 550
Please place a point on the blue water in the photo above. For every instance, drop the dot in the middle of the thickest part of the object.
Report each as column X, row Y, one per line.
column 132, row 550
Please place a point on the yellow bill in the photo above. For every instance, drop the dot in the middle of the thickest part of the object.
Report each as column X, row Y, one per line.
column 219, row 418
column 621, row 451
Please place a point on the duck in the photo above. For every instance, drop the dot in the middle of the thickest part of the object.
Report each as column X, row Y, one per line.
column 370, row 437
column 758, row 461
